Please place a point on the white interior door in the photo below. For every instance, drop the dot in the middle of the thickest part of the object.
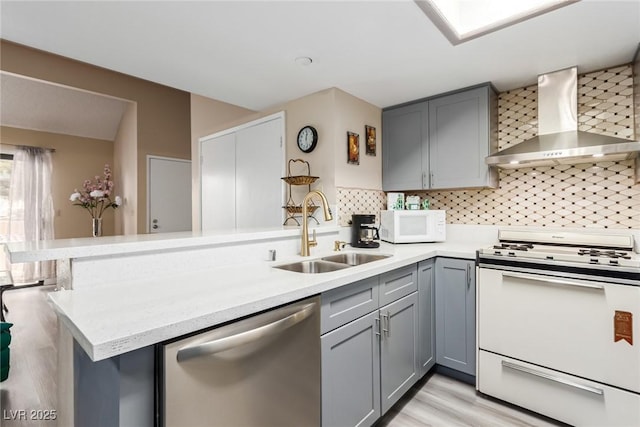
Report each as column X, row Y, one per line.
column 218, row 182
column 259, row 188
column 168, row 194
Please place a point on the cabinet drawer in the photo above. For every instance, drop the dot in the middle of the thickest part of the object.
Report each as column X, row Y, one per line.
column 342, row 305
column 572, row 400
column 398, row 283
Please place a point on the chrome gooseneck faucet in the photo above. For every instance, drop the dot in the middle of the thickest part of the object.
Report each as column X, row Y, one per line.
column 305, row 243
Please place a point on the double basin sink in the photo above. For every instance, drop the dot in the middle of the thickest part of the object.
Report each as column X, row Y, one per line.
column 332, row 262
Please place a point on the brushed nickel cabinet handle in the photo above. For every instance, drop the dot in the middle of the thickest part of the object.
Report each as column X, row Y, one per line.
column 385, row 325
column 388, row 323
column 553, row 378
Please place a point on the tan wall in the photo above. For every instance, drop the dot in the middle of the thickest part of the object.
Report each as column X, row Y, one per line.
column 163, row 112
column 74, row 160
column 332, row 112
column 317, row 110
column 207, row 116
column 352, row 115
column 125, row 171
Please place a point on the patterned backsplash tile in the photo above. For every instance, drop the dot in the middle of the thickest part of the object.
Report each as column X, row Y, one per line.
column 596, row 194
column 359, row 201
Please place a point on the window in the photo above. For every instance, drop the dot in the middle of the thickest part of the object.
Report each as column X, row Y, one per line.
column 6, row 164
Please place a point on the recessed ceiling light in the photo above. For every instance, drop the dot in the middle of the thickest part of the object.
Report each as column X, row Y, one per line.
column 303, row 60
column 462, row 20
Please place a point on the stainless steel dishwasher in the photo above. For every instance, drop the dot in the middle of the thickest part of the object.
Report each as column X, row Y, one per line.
column 263, row 370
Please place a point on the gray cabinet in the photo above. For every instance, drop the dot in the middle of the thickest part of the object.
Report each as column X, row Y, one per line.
column 426, row 316
column 441, row 142
column 455, row 314
column 405, row 151
column 460, row 128
column 369, row 346
column 351, row 373
column 398, row 349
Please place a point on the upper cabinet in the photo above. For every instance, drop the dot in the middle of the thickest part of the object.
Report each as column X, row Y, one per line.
column 441, row 143
column 404, row 161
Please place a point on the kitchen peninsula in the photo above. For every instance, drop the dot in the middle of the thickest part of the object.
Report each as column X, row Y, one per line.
column 123, row 294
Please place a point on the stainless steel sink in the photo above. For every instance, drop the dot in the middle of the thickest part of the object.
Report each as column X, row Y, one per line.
column 313, row 266
column 354, row 258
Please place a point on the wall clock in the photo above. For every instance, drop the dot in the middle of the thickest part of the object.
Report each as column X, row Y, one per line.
column 307, row 139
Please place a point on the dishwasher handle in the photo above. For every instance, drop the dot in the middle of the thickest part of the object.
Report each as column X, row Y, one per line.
column 242, row 338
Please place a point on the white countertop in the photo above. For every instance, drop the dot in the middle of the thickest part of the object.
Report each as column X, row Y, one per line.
column 113, row 319
column 45, row 250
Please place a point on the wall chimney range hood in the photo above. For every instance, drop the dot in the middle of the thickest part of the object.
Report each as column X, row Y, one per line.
column 559, row 140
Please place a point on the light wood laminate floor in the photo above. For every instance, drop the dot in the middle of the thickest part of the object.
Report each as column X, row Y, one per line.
column 31, row 386
column 436, row 400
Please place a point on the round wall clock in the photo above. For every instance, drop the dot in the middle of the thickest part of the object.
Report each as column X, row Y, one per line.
column 307, row 139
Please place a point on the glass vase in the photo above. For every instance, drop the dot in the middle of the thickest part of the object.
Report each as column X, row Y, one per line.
column 96, row 227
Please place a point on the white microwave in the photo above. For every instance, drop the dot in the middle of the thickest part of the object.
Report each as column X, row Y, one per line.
column 408, row 226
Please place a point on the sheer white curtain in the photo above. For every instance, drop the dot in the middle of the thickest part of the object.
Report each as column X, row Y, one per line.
column 31, row 208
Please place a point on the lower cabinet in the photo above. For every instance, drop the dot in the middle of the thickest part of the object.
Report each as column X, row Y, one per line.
column 381, row 334
column 351, row 373
column 455, row 309
column 398, row 349
column 371, row 361
column 426, row 316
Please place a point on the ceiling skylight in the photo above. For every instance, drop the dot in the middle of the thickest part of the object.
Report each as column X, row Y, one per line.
column 462, row 20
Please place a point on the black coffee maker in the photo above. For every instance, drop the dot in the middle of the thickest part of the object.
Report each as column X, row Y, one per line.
column 364, row 231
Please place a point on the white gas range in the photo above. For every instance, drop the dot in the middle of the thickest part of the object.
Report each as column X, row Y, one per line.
column 607, row 257
column 558, row 318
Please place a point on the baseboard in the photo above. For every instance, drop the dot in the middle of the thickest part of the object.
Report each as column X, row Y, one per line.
column 461, row 376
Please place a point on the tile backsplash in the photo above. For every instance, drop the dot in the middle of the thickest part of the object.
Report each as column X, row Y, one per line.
column 595, row 194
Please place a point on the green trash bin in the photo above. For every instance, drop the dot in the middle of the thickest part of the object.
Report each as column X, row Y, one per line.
column 5, row 340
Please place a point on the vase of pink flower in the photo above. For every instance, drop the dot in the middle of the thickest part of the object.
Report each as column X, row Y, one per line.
column 95, row 197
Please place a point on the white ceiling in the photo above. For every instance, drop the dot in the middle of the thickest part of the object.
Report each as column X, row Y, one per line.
column 385, row 52
column 33, row 104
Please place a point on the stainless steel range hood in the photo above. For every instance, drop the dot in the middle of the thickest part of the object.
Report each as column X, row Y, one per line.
column 559, row 140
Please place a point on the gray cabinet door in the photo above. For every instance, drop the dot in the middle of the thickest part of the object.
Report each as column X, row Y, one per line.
column 460, row 137
column 455, row 314
column 405, row 153
column 426, row 316
column 351, row 374
column 398, row 349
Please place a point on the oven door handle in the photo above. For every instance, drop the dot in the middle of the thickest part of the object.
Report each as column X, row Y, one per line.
column 545, row 279
column 553, row 378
